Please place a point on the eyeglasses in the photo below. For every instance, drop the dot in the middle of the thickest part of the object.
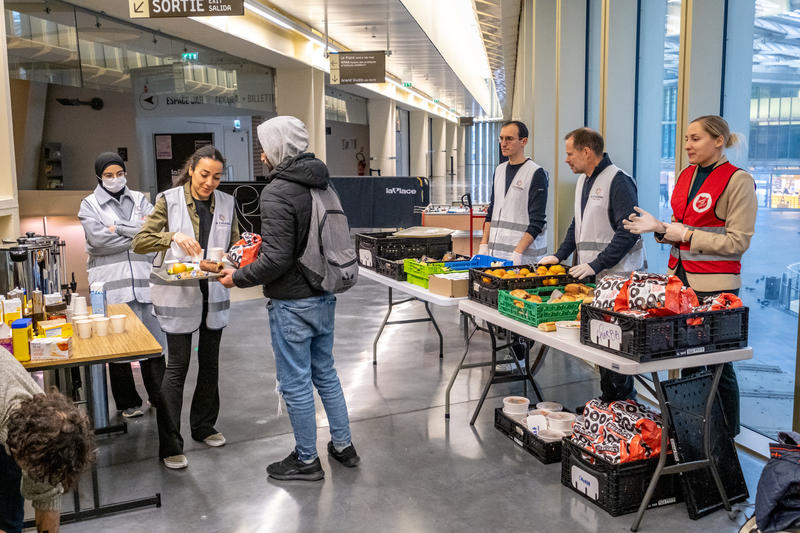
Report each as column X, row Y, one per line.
column 120, row 174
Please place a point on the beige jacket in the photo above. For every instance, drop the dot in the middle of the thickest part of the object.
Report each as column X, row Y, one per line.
column 737, row 206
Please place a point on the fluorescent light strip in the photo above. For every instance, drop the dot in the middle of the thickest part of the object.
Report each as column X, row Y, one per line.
column 258, row 10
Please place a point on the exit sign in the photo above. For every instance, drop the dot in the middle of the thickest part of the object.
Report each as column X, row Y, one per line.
column 406, row 84
column 189, row 56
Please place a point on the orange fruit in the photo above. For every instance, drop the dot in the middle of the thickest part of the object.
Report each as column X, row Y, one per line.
column 524, row 271
column 489, row 271
column 530, row 275
column 541, row 271
column 500, row 272
column 486, row 280
column 177, row 268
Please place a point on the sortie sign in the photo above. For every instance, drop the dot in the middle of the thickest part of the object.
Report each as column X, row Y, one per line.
column 358, row 67
column 185, row 8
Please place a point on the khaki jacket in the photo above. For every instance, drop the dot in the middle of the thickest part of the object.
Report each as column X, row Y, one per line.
column 737, row 206
column 153, row 238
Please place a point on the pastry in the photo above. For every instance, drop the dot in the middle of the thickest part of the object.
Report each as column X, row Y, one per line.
column 211, row 266
column 519, row 293
column 547, row 326
column 572, row 288
column 535, row 298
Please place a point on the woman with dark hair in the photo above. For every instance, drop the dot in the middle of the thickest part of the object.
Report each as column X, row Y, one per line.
column 714, row 209
column 45, row 444
column 110, row 217
column 191, row 217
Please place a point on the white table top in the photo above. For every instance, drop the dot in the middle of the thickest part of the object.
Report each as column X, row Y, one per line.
column 412, row 290
column 617, row 363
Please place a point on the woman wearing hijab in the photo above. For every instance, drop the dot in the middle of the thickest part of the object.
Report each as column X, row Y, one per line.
column 714, row 209
column 187, row 219
column 111, row 216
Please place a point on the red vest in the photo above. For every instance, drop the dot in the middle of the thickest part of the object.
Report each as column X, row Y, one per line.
column 700, row 213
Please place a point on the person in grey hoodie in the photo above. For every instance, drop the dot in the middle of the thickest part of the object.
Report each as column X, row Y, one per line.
column 45, row 444
column 301, row 318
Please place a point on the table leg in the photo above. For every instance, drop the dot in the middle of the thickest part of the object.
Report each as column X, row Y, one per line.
column 97, row 401
column 531, row 369
column 662, row 457
column 459, row 366
column 380, row 330
column 489, row 381
column 438, row 332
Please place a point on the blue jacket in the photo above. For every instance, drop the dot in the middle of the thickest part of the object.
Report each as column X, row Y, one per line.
column 778, row 494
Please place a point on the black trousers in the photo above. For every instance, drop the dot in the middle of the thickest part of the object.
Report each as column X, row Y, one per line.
column 12, row 510
column 205, row 400
column 123, row 387
column 728, row 383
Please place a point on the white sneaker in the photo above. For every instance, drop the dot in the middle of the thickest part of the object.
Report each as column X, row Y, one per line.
column 176, row 462
column 217, row 439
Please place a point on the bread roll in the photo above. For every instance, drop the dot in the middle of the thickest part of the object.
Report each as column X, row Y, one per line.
column 519, row 293
column 547, row 326
column 572, row 288
column 535, row 298
column 211, row 266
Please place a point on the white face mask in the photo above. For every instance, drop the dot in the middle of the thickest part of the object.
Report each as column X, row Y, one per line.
column 114, row 184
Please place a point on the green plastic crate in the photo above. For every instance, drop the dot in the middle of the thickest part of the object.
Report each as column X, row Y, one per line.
column 417, row 280
column 413, row 267
column 534, row 314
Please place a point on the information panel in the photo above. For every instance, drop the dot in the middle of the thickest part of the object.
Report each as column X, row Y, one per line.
column 184, row 8
column 358, row 67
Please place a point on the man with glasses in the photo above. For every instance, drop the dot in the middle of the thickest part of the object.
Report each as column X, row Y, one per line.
column 111, row 216
column 516, row 220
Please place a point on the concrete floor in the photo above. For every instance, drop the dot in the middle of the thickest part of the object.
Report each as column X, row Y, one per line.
column 419, row 473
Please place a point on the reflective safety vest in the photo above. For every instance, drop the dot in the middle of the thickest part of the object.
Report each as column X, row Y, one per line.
column 179, row 307
column 699, row 213
column 593, row 229
column 124, row 274
column 510, row 217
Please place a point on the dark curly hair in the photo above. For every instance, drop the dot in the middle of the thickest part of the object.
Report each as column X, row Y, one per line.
column 50, row 439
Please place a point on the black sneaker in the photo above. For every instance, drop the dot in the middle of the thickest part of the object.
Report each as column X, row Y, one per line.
column 348, row 457
column 293, row 468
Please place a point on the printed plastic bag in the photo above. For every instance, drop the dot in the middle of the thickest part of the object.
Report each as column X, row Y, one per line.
column 246, row 249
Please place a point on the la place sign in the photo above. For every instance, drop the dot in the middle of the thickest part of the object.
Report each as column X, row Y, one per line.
column 185, row 8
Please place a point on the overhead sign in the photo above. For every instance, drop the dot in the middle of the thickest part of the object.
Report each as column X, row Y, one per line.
column 184, row 8
column 358, row 67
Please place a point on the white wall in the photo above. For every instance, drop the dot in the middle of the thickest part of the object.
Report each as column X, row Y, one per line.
column 84, row 133
column 340, row 149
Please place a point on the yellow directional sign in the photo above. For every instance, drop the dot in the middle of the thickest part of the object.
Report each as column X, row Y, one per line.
column 139, row 9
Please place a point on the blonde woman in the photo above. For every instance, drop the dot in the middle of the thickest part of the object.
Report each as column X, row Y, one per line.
column 714, row 208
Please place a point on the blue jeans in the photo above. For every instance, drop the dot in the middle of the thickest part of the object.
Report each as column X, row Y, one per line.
column 302, row 340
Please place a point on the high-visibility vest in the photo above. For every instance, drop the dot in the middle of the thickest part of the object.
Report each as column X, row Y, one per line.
column 699, row 213
column 179, row 307
column 593, row 229
column 510, row 217
column 124, row 274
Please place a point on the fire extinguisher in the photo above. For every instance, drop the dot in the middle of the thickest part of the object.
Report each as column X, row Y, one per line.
column 362, row 162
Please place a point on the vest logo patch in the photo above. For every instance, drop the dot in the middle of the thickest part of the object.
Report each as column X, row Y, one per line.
column 702, row 202
column 597, row 194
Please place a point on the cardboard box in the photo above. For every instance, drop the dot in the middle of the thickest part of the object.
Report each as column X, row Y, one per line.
column 455, row 285
column 55, row 328
column 60, row 347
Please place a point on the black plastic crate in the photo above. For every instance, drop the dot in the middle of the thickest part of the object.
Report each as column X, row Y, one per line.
column 546, row 452
column 370, row 246
column 391, row 268
column 647, row 339
column 686, row 400
column 616, row 488
column 484, row 289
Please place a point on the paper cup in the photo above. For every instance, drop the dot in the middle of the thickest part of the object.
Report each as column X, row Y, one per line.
column 215, row 254
column 516, row 405
column 561, row 422
column 118, row 323
column 549, row 406
column 84, row 328
column 101, row 326
column 79, row 306
column 97, row 315
column 548, row 435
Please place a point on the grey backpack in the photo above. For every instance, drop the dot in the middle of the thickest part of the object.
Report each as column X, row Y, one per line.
column 329, row 261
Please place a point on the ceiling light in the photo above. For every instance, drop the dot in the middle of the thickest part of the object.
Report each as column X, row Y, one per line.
column 260, row 11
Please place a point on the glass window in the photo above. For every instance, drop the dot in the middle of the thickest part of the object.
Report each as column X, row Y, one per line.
column 770, row 268
column 483, row 155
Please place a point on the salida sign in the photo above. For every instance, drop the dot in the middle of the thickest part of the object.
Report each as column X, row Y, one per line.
column 184, row 8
